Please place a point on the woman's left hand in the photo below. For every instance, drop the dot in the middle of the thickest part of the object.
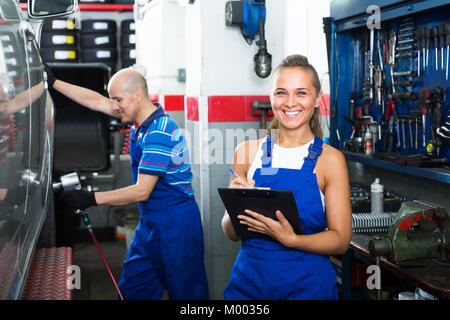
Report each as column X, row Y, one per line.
column 280, row 230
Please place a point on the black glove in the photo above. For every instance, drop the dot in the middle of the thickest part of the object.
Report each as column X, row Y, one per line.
column 50, row 77
column 79, row 199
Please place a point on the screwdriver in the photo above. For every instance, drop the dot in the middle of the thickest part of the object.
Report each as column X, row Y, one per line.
column 436, row 43
column 427, row 40
column 447, row 34
column 419, row 43
column 442, row 38
column 423, row 43
column 424, row 101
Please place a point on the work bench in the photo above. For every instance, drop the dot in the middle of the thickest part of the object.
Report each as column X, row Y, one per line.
column 435, row 279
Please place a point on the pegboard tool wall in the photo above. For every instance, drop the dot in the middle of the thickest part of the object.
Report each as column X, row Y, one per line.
column 350, row 68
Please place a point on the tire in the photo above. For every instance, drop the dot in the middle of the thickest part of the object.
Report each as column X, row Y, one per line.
column 98, row 41
column 59, row 55
column 127, row 26
column 66, row 39
column 127, row 63
column 94, row 1
column 128, row 54
column 128, row 40
column 99, row 55
column 98, row 26
column 58, row 25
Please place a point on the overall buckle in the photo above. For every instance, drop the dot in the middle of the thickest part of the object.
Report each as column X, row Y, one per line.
column 312, row 154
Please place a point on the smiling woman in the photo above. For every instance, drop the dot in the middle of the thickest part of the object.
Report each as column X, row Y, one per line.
column 293, row 157
column 296, row 70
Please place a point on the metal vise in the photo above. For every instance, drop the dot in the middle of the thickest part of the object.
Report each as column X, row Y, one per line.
column 419, row 236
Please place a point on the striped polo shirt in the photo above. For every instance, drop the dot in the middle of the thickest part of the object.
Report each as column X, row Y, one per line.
column 158, row 147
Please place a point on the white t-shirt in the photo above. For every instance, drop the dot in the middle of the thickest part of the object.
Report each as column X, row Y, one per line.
column 288, row 158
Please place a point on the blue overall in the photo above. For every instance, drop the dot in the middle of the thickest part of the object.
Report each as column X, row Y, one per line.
column 167, row 248
column 265, row 269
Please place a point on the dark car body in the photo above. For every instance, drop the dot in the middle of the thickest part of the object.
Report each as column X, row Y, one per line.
column 26, row 149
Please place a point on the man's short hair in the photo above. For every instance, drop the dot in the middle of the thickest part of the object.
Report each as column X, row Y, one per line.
column 134, row 81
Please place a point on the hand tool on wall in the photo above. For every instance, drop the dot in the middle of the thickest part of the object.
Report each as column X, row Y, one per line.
column 405, row 41
column 397, row 124
column 416, row 114
column 379, row 46
column 392, row 55
column 263, row 107
column 424, row 101
column 351, row 116
column 410, row 122
column 427, row 42
column 405, row 95
column 406, row 35
column 406, row 55
column 389, row 136
column 410, row 47
column 419, row 36
column 411, row 73
column 436, row 99
column 392, row 40
column 436, row 44
column 442, row 41
column 402, row 122
column 444, row 130
column 390, row 116
column 379, row 88
column 409, row 83
column 447, row 36
column 371, row 65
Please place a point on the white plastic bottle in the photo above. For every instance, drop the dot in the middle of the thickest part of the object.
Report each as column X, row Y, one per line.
column 376, row 196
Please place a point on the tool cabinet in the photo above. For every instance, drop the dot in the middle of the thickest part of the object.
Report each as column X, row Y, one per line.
column 361, row 100
column 372, row 71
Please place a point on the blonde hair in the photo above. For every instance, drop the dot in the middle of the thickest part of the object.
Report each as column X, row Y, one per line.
column 299, row 61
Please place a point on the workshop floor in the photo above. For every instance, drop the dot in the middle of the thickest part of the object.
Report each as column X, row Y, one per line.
column 95, row 281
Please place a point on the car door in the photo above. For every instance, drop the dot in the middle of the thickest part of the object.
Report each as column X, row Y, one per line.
column 25, row 148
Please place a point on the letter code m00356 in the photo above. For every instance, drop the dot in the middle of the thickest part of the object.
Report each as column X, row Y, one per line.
column 247, row 309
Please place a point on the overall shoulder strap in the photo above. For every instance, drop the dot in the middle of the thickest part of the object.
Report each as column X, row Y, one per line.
column 266, row 158
column 314, row 151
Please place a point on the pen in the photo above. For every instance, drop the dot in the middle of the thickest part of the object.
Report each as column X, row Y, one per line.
column 234, row 173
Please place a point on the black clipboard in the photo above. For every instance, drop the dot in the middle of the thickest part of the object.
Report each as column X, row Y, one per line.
column 263, row 201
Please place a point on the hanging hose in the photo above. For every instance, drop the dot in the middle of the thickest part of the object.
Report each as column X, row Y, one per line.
column 86, row 221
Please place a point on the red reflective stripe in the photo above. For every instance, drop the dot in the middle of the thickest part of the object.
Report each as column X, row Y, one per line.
column 234, row 108
column 174, row 103
column 192, row 108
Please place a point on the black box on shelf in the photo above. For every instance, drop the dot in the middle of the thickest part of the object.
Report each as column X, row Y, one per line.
column 95, row 1
column 122, row 1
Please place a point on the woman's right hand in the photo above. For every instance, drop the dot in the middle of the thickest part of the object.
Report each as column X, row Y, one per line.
column 241, row 182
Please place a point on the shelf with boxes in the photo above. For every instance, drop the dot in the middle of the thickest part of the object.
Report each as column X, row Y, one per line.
column 98, row 36
column 97, row 5
column 95, row 40
column 390, row 86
